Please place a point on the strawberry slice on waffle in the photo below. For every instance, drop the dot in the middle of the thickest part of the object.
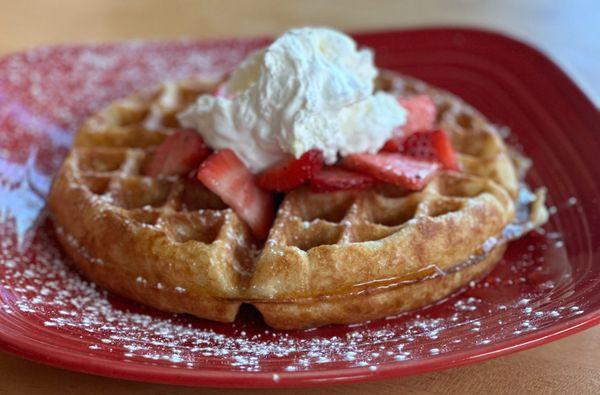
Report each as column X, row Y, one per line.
column 291, row 173
column 421, row 115
column 393, row 168
column 180, row 153
column 227, row 177
column 333, row 178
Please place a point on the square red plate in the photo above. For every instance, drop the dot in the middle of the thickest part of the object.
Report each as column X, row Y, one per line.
column 548, row 285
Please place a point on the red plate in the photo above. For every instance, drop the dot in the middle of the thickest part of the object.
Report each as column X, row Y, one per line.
column 548, row 285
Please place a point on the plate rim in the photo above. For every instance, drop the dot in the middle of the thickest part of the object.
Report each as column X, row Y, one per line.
column 18, row 345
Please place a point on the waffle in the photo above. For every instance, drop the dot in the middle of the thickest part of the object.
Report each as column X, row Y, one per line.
column 341, row 257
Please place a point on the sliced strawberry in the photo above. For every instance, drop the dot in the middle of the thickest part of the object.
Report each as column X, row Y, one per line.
column 226, row 176
column 421, row 114
column 394, row 144
column 393, row 168
column 430, row 145
column 180, row 153
column 291, row 173
column 332, row 178
column 445, row 152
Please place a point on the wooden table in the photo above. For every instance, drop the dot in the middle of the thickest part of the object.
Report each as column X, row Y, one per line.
column 568, row 31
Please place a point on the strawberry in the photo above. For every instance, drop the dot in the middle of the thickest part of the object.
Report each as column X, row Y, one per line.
column 393, row 145
column 444, row 150
column 226, row 176
column 393, row 168
column 180, row 153
column 331, row 178
column 421, row 114
column 291, row 173
column 430, row 145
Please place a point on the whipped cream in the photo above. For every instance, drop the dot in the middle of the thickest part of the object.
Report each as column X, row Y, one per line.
column 310, row 89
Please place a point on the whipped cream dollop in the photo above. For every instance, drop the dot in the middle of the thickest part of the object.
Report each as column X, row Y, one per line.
column 310, row 89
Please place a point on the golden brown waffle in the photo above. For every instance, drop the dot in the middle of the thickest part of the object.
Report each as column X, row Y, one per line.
column 330, row 258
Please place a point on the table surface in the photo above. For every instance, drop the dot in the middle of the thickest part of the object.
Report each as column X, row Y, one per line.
column 567, row 31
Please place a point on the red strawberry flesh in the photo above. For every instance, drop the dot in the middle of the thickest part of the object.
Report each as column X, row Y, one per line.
column 291, row 173
column 430, row 145
column 393, row 168
column 421, row 113
column 331, row 179
column 180, row 153
column 445, row 152
column 226, row 176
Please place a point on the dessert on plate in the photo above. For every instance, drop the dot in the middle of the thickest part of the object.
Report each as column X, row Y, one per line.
column 306, row 183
